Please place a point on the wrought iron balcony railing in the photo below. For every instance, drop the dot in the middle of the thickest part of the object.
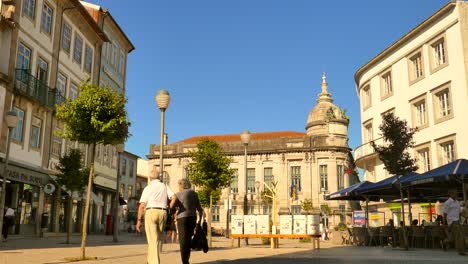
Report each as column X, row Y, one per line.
column 28, row 85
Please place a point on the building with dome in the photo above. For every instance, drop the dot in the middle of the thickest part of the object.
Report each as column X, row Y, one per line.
column 307, row 165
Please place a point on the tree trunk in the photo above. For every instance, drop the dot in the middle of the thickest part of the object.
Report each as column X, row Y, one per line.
column 209, row 220
column 405, row 239
column 84, row 230
column 70, row 217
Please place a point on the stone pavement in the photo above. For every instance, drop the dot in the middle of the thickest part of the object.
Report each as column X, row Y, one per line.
column 132, row 248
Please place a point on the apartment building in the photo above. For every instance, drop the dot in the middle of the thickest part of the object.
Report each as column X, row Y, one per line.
column 307, row 165
column 422, row 78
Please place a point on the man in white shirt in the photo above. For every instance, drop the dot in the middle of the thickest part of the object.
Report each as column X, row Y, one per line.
column 452, row 219
column 8, row 220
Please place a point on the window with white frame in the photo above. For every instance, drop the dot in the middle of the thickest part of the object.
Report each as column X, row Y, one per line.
column 416, row 67
column 88, row 64
column 323, row 171
column 46, row 18
column 387, row 89
column 439, row 56
column 57, row 144
column 24, row 57
column 447, row 152
column 420, row 113
column 123, row 168
column 215, row 213
column 233, row 209
column 35, row 138
column 29, row 8
column 66, row 37
column 268, row 176
column 78, row 49
column 443, row 103
column 340, row 176
column 424, row 160
column 121, row 62
column 61, row 84
column 368, row 132
column 251, row 180
column 235, row 181
column 73, row 92
column 296, row 177
column 366, row 97
column 114, row 58
column 17, row 131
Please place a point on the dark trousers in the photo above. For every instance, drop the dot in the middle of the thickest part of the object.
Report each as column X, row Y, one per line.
column 186, row 227
column 7, row 222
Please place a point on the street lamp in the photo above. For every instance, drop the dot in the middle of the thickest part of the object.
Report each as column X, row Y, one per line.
column 245, row 138
column 11, row 120
column 119, row 148
column 162, row 101
column 257, row 186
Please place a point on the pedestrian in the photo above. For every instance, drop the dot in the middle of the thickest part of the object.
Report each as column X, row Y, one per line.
column 451, row 211
column 8, row 220
column 154, row 204
column 187, row 204
column 171, row 228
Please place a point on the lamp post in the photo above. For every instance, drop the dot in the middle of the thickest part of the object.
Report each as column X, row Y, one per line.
column 11, row 119
column 162, row 101
column 245, row 138
column 119, row 148
column 257, row 186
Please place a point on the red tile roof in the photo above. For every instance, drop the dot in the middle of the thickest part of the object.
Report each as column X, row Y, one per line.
column 236, row 137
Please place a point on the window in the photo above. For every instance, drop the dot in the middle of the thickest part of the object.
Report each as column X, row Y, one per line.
column 66, row 37
column 448, row 152
column 29, row 7
column 46, row 19
column 420, row 114
column 443, row 108
column 424, row 162
column 130, row 191
column 24, row 57
column 105, row 155
column 268, row 176
column 387, row 89
column 57, row 144
column 251, row 180
column 233, row 209
column 235, row 182
column 439, row 56
column 114, row 55
column 296, row 177
column 250, row 209
column 166, row 179
column 42, row 71
column 295, row 209
column 97, row 157
column 215, row 213
column 366, row 97
column 17, row 131
column 88, row 64
column 416, row 67
column 267, row 209
column 121, row 62
column 368, row 132
column 73, row 92
column 123, row 168
column 131, row 166
column 35, row 139
column 78, row 49
column 122, row 189
column 323, row 178
column 61, row 84
column 340, row 176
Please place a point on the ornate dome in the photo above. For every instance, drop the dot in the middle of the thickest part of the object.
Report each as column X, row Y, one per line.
column 325, row 111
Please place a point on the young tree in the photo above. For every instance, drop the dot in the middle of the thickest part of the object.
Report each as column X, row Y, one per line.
column 73, row 177
column 210, row 170
column 97, row 116
column 398, row 138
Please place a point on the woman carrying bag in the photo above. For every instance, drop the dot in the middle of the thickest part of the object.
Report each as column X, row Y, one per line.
column 188, row 204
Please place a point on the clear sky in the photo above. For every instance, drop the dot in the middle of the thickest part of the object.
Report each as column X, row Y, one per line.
column 231, row 65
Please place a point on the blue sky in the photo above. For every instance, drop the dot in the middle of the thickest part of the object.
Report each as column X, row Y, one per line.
column 232, row 65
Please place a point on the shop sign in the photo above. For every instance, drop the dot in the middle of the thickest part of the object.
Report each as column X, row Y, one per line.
column 24, row 175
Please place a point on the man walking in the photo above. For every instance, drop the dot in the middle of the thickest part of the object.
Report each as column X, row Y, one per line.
column 452, row 219
column 153, row 203
column 8, row 220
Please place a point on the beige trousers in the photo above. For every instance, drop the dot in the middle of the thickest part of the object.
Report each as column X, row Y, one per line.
column 155, row 220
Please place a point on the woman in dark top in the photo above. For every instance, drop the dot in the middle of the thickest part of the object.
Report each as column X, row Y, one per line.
column 187, row 204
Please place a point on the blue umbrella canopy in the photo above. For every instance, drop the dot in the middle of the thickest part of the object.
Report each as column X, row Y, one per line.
column 385, row 189
column 350, row 193
column 444, row 174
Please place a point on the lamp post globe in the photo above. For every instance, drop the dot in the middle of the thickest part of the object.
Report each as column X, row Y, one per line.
column 162, row 101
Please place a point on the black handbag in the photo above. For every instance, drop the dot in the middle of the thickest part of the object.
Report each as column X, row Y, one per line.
column 199, row 241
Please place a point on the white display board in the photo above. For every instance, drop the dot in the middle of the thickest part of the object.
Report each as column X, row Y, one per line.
column 250, row 226
column 236, row 224
column 313, row 224
column 263, row 224
column 299, row 224
column 285, row 224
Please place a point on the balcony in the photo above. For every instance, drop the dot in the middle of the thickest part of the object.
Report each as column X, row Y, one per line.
column 33, row 88
column 365, row 152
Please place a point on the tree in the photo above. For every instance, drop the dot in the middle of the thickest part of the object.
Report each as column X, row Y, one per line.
column 97, row 116
column 307, row 205
column 73, row 177
column 204, row 196
column 398, row 138
column 210, row 170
